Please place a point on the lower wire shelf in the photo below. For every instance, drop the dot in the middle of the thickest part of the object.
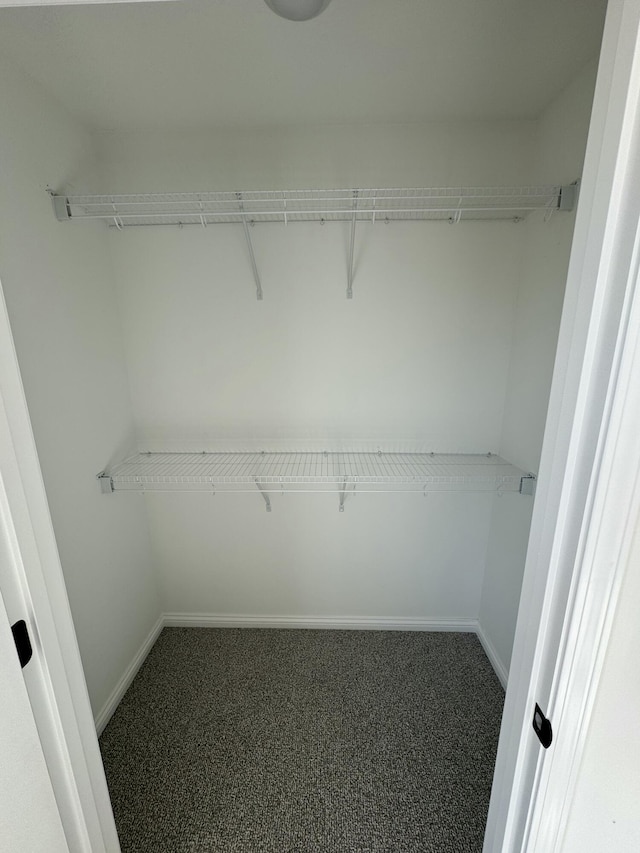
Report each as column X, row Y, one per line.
column 340, row 472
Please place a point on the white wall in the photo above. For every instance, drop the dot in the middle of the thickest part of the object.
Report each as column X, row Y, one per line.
column 386, row 556
column 421, row 352
column 559, row 153
column 58, row 287
column 476, row 153
column 420, row 356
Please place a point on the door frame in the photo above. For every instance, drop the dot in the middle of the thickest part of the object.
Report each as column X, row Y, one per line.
column 563, row 627
column 590, row 463
column 25, row 783
column 55, row 684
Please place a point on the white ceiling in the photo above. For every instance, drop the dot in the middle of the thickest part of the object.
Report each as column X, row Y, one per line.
column 204, row 63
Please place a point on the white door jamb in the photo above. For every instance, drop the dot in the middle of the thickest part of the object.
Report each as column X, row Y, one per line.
column 586, row 474
column 54, row 678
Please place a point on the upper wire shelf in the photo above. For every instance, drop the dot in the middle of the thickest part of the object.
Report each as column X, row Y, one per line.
column 285, row 206
column 452, row 204
column 316, row 472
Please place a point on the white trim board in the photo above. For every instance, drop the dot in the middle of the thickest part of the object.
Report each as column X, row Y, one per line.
column 570, row 577
column 494, row 658
column 56, row 682
column 115, row 697
column 237, row 620
column 347, row 623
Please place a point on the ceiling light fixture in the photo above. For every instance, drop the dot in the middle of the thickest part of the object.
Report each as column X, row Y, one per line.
column 297, row 10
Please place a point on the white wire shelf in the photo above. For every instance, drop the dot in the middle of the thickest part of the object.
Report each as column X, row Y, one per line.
column 453, row 204
column 286, row 206
column 316, row 472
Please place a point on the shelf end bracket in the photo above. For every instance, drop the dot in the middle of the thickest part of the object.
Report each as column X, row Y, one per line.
column 528, row 484
column 568, row 197
column 106, row 482
column 262, row 491
column 61, row 206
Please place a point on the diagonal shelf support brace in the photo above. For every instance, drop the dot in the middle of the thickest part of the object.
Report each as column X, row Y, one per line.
column 264, row 494
column 352, row 243
column 254, row 266
column 343, row 494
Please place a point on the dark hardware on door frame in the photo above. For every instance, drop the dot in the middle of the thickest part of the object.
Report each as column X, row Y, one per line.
column 542, row 727
column 22, row 641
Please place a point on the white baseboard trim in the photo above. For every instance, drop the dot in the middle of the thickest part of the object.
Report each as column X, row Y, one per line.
column 129, row 674
column 355, row 623
column 500, row 669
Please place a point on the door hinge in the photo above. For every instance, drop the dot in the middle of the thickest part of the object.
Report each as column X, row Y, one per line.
column 22, row 641
column 542, row 727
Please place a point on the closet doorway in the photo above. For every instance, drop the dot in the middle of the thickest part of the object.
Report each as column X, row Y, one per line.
column 132, row 307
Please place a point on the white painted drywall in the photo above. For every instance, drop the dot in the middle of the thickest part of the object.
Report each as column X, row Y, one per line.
column 420, row 356
column 385, row 556
column 421, row 352
column 463, row 153
column 560, row 144
column 604, row 811
column 59, row 292
column 234, row 63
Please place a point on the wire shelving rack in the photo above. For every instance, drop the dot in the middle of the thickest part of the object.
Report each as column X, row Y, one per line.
column 252, row 207
column 340, row 472
column 287, row 206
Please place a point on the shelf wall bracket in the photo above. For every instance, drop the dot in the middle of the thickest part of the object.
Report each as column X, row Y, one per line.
column 106, row 482
column 352, row 245
column 264, row 494
column 528, row 484
column 254, row 266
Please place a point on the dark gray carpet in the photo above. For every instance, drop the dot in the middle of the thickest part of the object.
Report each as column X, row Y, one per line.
column 261, row 741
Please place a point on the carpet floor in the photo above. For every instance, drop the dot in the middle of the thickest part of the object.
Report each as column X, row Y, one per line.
column 266, row 741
